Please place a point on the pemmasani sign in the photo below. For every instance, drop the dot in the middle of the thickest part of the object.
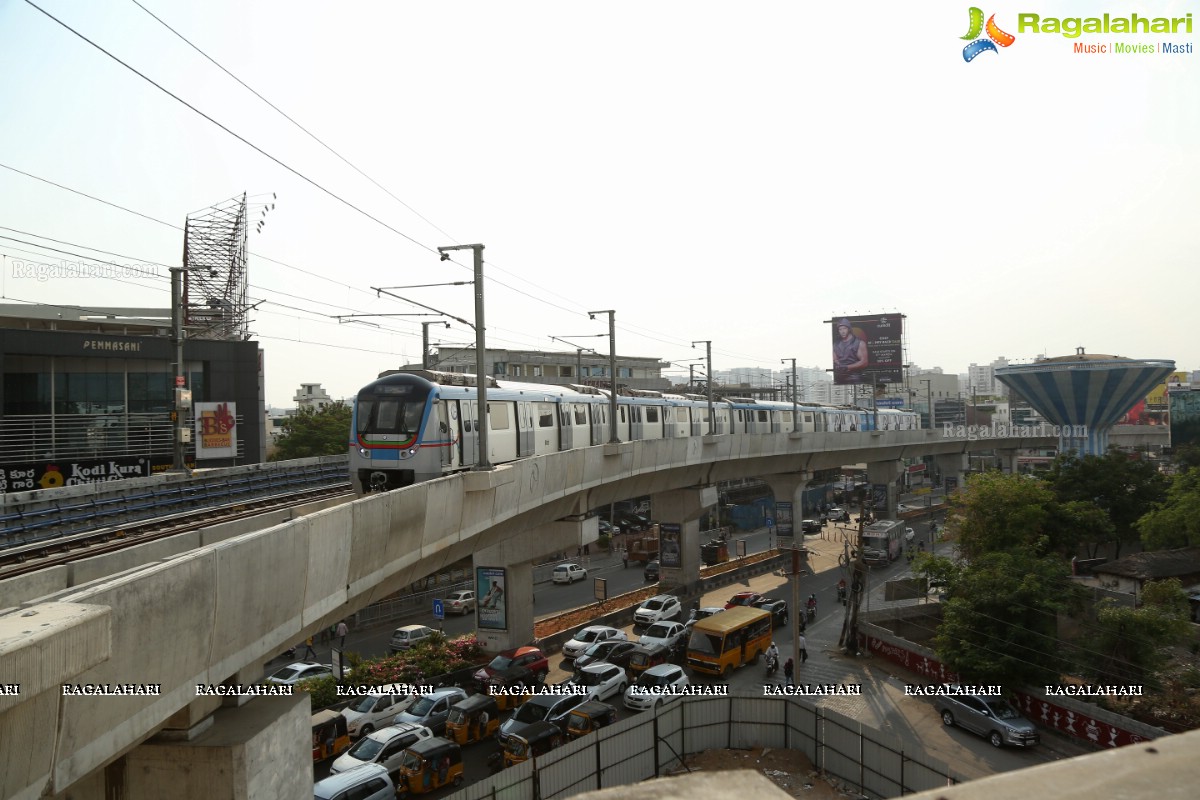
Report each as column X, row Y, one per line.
column 53, row 474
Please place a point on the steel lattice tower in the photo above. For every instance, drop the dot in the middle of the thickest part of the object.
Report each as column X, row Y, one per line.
column 214, row 289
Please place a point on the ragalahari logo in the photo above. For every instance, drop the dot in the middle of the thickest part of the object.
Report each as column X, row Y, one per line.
column 995, row 36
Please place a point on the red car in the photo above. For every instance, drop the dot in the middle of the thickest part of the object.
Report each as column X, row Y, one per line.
column 530, row 658
column 743, row 599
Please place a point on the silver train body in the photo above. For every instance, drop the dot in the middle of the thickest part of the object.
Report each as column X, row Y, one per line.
column 409, row 427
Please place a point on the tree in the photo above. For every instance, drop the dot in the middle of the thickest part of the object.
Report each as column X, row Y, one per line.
column 1124, row 487
column 310, row 432
column 1129, row 644
column 999, row 623
column 1176, row 522
column 999, row 513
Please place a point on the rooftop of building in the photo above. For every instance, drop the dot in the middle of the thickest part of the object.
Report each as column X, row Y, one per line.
column 1154, row 565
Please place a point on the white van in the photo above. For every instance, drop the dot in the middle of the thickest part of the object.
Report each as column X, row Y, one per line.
column 367, row 782
column 376, row 710
column 408, row 635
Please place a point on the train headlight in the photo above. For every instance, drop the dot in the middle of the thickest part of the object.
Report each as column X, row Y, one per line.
column 364, row 452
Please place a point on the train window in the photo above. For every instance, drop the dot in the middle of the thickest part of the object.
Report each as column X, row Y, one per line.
column 622, row 415
column 652, row 414
column 566, row 415
column 498, row 419
column 762, row 416
column 365, row 408
column 395, row 416
column 545, row 413
column 580, row 415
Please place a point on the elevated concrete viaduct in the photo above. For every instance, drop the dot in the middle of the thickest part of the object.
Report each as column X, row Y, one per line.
column 215, row 614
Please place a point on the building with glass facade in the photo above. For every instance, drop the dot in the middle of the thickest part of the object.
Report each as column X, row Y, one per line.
column 91, row 394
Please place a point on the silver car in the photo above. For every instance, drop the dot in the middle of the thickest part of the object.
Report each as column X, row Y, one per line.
column 990, row 717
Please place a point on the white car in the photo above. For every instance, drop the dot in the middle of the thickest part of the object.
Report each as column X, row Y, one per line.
column 657, row 677
column 568, row 573
column 375, row 710
column 300, row 671
column 602, row 680
column 656, row 609
column 461, row 602
column 408, row 635
column 590, row 636
column 385, row 746
column 667, row 634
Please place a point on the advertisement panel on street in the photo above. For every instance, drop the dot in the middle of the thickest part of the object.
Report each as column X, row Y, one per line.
column 493, row 603
column 668, row 545
column 868, row 349
column 216, row 430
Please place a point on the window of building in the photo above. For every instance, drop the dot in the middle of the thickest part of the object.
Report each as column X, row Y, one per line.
column 516, row 370
column 624, row 372
column 535, row 371
column 26, row 385
column 566, row 372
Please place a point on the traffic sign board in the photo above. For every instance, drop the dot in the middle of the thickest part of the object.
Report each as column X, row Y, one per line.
column 770, row 522
column 439, row 610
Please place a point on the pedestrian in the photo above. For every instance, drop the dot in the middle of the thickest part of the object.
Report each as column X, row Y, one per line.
column 308, row 648
column 789, row 672
column 803, row 649
column 342, row 630
column 625, row 559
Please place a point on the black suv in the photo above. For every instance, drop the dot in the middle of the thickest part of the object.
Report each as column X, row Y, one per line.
column 651, row 571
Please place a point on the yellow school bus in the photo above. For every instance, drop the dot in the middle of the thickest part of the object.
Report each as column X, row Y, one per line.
column 728, row 640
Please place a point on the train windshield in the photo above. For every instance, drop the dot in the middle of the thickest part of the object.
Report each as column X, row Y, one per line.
column 392, row 412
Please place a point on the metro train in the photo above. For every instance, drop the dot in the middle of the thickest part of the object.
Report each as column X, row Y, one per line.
column 418, row 425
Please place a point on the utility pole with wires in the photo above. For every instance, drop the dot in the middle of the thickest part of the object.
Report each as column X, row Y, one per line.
column 852, row 559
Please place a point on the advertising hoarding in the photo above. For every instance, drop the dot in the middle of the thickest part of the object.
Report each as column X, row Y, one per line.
column 668, row 545
column 216, row 430
column 868, row 349
column 492, row 611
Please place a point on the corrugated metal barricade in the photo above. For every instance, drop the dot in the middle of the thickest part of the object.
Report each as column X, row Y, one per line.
column 649, row 745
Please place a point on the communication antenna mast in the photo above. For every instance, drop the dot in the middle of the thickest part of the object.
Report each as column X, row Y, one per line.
column 214, row 259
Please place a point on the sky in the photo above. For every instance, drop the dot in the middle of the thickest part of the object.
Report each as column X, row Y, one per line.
column 736, row 173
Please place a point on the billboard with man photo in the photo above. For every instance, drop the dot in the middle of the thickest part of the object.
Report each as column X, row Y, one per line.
column 868, row 349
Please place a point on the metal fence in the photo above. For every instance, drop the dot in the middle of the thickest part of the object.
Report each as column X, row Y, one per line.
column 38, row 437
column 653, row 744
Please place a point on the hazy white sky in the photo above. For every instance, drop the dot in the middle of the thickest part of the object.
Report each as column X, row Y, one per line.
column 732, row 172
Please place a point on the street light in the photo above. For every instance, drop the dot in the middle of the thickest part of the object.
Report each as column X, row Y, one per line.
column 708, row 368
column 425, row 340
column 481, row 463
column 612, row 369
column 928, row 399
column 795, row 424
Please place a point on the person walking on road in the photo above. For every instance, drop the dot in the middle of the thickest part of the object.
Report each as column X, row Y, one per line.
column 803, row 649
column 308, row 648
column 342, row 630
column 789, row 672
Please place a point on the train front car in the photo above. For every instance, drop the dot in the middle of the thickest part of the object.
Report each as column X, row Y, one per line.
column 389, row 444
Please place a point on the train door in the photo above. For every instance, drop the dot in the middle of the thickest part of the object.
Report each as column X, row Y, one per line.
column 525, row 430
column 599, row 418
column 468, row 453
column 634, row 416
column 448, row 434
column 566, row 427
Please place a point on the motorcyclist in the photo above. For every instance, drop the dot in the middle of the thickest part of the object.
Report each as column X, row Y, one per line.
column 812, row 606
column 772, row 659
column 841, row 590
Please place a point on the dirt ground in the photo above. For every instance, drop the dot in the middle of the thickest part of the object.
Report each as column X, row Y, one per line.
column 790, row 770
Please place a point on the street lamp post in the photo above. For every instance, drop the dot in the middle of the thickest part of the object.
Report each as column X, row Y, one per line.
column 795, row 424
column 612, row 369
column 928, row 399
column 712, row 421
column 177, row 301
column 482, row 463
column 579, row 351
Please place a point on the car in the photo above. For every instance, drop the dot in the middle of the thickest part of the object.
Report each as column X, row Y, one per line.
column 989, row 716
column 408, row 635
column 667, row 634
column 385, row 746
column 657, row 677
column 366, row 713
column 614, row 651
column 835, row 512
column 299, row 671
column 568, row 573
column 461, row 602
column 811, row 525
column 589, row 636
column 607, row 528
column 531, row 658
column 743, row 599
column 366, row 782
column 708, row 611
column 431, row 710
column 778, row 609
column 656, row 609
column 601, row 679
column 627, row 521
column 552, row 708
column 650, row 573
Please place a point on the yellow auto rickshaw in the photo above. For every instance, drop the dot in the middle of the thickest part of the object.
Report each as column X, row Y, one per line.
column 505, row 685
column 428, row 765
column 473, row 720
column 535, row 740
column 643, row 657
column 329, row 735
column 587, row 717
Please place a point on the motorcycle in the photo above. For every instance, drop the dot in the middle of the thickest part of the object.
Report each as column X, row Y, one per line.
column 841, row 592
column 812, row 612
column 772, row 665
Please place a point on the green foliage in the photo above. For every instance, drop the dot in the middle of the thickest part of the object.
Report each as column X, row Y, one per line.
column 323, row 690
column 999, row 623
column 998, row 513
column 1187, row 457
column 1176, row 522
column 309, row 433
column 427, row 659
column 1129, row 645
column 1124, row 488
column 603, row 541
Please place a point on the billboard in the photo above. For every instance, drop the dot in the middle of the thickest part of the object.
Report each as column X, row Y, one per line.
column 492, row 610
column 216, row 430
column 669, row 554
column 868, row 349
